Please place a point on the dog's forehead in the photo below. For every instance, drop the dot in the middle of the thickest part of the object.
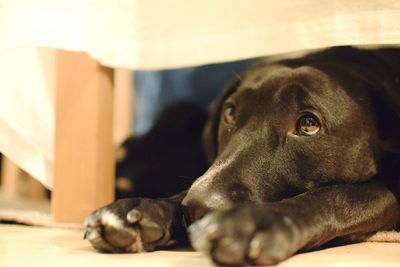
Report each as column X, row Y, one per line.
column 278, row 83
column 276, row 76
column 259, row 74
column 275, row 80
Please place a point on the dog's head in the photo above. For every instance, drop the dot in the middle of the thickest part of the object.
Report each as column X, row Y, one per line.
column 291, row 126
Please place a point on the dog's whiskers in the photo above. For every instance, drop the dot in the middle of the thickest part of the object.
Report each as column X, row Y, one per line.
column 237, row 75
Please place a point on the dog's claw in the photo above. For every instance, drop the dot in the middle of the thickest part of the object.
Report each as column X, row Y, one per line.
column 92, row 235
column 134, row 216
column 198, row 242
column 213, row 232
column 228, row 251
column 255, row 249
column 91, row 221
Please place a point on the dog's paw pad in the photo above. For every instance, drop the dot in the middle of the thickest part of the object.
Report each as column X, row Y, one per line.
column 109, row 233
column 150, row 231
column 202, row 233
column 128, row 225
column 134, row 216
column 240, row 236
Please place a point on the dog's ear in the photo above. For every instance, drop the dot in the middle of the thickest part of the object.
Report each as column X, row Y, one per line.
column 210, row 132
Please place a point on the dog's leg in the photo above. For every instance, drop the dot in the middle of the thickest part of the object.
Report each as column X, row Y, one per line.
column 265, row 234
column 135, row 224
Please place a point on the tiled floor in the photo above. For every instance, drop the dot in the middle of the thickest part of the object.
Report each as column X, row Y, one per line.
column 29, row 246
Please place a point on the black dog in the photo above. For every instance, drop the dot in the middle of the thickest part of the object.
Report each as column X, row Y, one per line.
column 167, row 159
column 302, row 151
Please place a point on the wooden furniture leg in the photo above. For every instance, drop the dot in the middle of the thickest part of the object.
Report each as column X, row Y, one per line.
column 124, row 97
column 9, row 174
column 84, row 151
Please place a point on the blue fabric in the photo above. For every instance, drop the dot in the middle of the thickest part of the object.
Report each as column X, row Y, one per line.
column 155, row 90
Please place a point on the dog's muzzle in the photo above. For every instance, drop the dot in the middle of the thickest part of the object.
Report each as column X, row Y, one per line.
column 198, row 203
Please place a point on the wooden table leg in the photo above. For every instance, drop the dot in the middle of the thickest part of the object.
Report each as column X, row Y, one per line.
column 84, row 151
column 9, row 174
column 124, row 97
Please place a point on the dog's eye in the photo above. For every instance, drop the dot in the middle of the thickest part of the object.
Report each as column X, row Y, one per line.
column 229, row 114
column 307, row 124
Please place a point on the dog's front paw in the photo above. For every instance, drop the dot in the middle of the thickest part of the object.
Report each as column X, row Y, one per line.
column 128, row 225
column 246, row 234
